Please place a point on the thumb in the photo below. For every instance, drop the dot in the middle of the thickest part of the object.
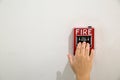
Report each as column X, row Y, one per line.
column 70, row 57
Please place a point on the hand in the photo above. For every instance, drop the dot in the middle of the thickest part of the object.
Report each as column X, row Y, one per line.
column 81, row 63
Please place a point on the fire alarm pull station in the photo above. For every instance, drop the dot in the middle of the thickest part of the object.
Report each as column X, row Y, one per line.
column 84, row 35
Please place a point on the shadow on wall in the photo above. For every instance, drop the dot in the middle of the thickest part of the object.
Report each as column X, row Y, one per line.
column 67, row 73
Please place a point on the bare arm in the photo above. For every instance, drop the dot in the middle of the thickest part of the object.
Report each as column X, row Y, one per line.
column 81, row 63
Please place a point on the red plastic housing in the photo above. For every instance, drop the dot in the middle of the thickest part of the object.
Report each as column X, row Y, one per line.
column 84, row 35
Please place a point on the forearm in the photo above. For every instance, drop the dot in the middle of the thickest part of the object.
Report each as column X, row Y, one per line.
column 83, row 77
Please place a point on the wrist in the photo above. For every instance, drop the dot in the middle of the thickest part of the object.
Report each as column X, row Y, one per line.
column 84, row 77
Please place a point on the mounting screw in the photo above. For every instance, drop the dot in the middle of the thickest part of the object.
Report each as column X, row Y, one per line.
column 89, row 26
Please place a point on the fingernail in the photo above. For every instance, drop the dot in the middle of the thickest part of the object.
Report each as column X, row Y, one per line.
column 79, row 43
column 84, row 42
column 88, row 44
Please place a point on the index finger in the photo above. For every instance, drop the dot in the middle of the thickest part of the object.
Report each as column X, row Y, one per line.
column 77, row 52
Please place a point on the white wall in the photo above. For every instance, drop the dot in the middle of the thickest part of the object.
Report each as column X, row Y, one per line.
column 35, row 38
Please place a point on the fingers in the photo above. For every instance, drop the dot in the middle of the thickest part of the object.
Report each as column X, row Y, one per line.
column 70, row 57
column 82, row 49
column 92, row 54
column 77, row 52
column 87, row 50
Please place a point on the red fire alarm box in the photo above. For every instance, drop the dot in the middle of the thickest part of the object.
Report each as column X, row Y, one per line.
column 84, row 35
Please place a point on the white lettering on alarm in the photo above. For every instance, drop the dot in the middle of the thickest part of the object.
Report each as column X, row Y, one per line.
column 89, row 31
column 81, row 31
column 77, row 31
column 84, row 31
